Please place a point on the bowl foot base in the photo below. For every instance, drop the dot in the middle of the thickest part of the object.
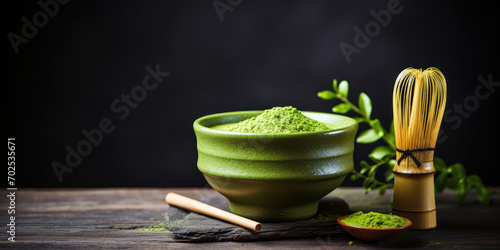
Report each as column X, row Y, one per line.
column 275, row 214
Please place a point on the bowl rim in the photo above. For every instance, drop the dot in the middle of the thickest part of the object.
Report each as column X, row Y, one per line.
column 339, row 220
column 198, row 127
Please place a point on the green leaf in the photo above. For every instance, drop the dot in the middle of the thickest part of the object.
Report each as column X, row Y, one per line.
column 441, row 182
column 483, row 195
column 372, row 186
column 474, row 181
column 389, row 175
column 390, row 138
column 391, row 129
column 341, row 108
column 335, row 85
column 375, row 124
column 368, row 136
column 439, row 164
column 391, row 141
column 391, row 163
column 343, row 89
column 458, row 176
column 468, row 185
column 365, row 105
column 326, row 95
column 461, row 194
column 458, row 170
column 366, row 183
column 372, row 171
column 364, row 167
column 452, row 183
column 364, row 164
column 354, row 177
column 381, row 190
column 380, row 153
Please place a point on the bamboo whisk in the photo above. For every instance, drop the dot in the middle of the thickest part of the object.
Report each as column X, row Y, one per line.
column 419, row 100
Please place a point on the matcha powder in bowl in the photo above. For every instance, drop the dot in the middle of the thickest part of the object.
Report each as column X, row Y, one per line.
column 374, row 226
column 374, row 220
column 279, row 120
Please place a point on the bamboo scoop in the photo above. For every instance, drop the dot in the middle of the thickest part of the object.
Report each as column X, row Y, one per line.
column 202, row 208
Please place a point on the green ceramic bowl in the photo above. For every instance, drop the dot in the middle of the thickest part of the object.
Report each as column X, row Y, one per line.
column 274, row 177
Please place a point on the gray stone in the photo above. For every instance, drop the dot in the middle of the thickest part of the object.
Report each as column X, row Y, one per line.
column 193, row 227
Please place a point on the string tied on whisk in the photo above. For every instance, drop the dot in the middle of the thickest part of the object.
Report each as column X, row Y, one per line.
column 409, row 153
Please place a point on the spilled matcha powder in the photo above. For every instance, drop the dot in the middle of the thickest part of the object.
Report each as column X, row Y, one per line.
column 374, row 220
column 279, row 120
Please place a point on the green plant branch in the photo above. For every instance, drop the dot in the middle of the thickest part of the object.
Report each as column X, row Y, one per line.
column 451, row 177
column 354, row 107
column 387, row 139
column 379, row 183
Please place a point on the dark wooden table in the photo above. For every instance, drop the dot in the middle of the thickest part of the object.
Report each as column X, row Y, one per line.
column 112, row 217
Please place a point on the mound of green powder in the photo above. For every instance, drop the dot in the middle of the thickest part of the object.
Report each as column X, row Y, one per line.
column 374, row 220
column 279, row 120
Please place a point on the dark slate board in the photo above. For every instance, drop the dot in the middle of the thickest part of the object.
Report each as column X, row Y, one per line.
column 193, row 227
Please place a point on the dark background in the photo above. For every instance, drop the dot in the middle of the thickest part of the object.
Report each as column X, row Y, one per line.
column 262, row 54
